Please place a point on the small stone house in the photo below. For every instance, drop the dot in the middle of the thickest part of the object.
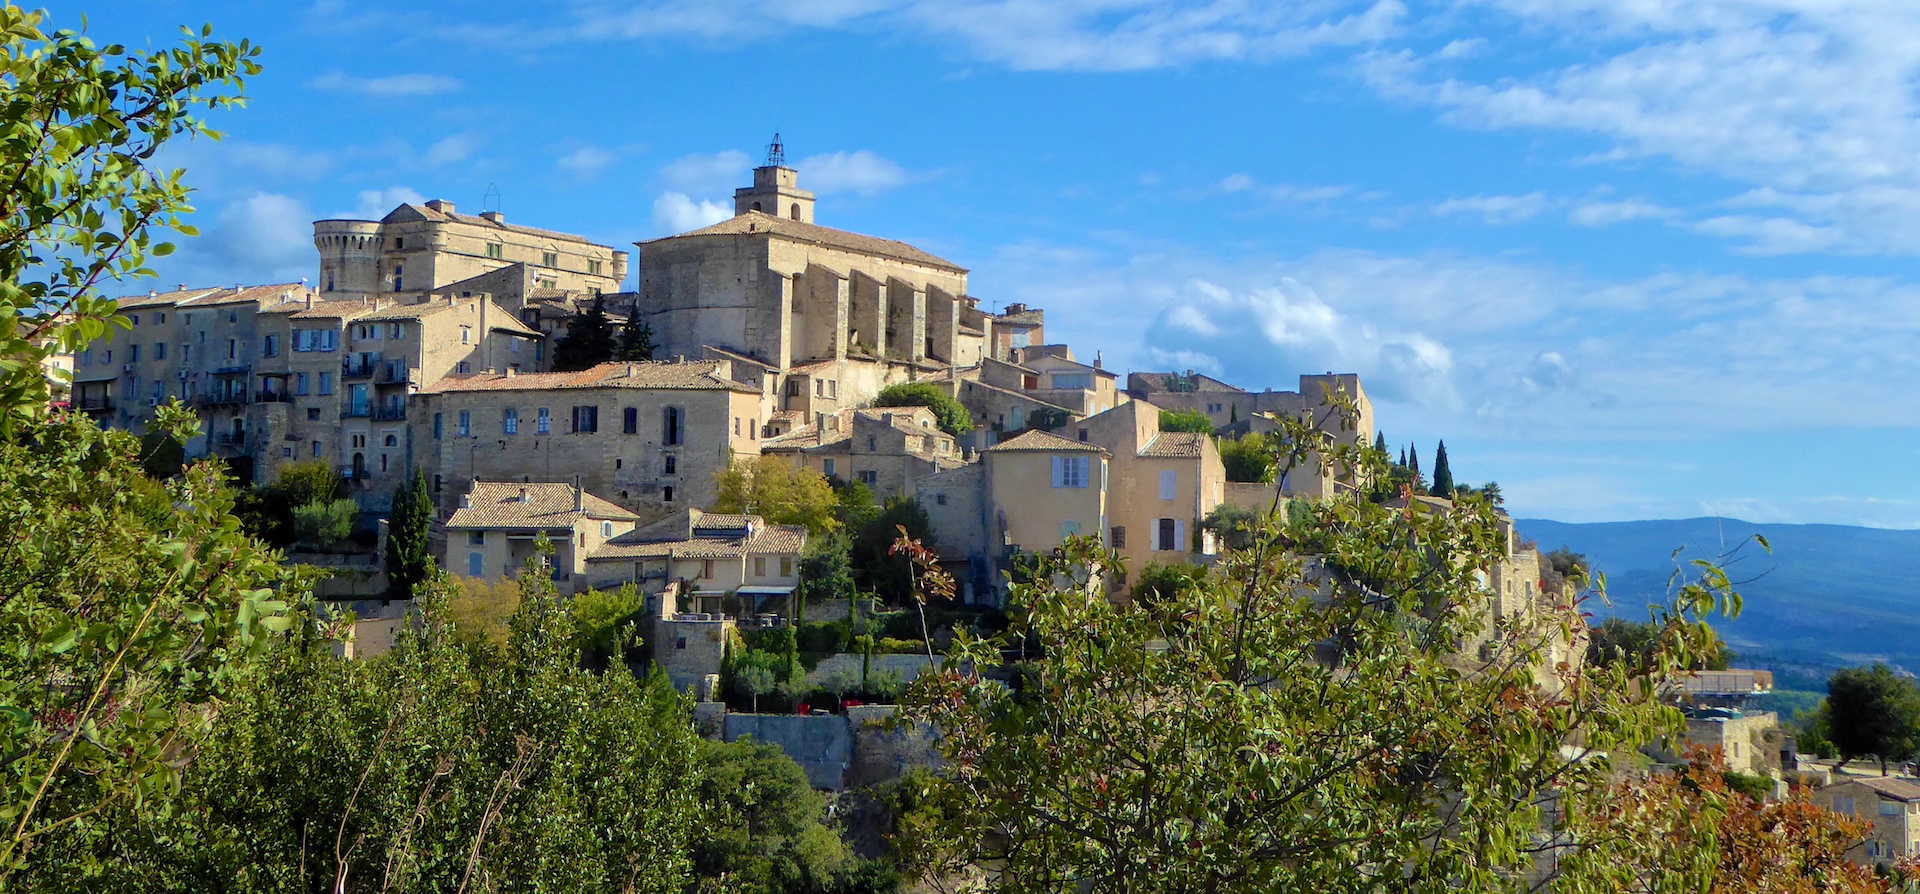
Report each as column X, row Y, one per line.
column 497, row 525
column 1890, row 803
column 716, row 564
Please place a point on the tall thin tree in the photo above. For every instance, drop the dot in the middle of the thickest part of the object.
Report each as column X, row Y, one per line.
column 1442, row 476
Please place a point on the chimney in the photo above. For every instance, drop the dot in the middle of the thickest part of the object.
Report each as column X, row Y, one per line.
column 309, row 300
column 495, row 216
column 523, row 495
column 579, row 495
column 1096, row 359
column 183, row 287
column 152, row 294
column 466, row 500
column 441, row 205
column 510, row 372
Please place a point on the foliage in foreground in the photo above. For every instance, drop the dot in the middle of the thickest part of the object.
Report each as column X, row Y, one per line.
column 1324, row 711
column 779, row 492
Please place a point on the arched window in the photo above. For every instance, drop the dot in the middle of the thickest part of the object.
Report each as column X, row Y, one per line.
column 756, row 206
column 794, row 212
column 392, row 441
column 670, row 427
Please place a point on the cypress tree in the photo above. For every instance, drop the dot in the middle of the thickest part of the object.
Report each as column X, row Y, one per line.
column 1380, row 442
column 1413, row 459
column 1403, row 458
column 408, row 559
column 636, row 339
column 589, row 339
column 1442, row 476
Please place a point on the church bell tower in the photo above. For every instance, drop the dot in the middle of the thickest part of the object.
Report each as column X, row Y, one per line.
column 774, row 191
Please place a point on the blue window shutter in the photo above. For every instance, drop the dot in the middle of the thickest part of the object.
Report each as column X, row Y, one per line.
column 1059, row 472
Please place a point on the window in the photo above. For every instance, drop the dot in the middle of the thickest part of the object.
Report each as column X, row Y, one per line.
column 549, row 259
column 135, row 319
column 233, row 349
column 819, row 387
column 159, row 350
column 1069, row 471
column 606, row 529
column 593, row 268
column 313, row 414
column 542, row 421
column 359, row 442
column 476, row 564
column 940, row 499
column 476, row 538
column 786, row 566
column 159, row 318
column 870, row 478
column 826, row 467
column 286, row 452
column 1083, row 436
column 672, row 464
column 466, row 334
column 1843, row 803
column 680, row 642
column 1069, row 528
column 706, row 569
column 1890, row 808
column 316, row 448
column 436, row 483
column 326, row 383
column 736, row 426
column 670, row 427
column 586, row 419
column 1169, row 484
column 630, row 420
column 397, row 278
column 666, row 494
column 396, row 331
column 510, row 421
column 462, row 368
column 1168, row 533
column 493, row 250
column 1073, row 381
column 133, row 353
column 1119, row 537
column 873, row 445
column 391, row 441
column 436, row 426
column 300, row 383
column 270, row 346
column 759, row 566
column 398, row 242
column 465, row 428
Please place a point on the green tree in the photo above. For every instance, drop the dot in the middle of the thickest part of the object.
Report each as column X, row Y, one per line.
column 636, row 338
column 266, row 510
column 1380, row 444
column 1413, row 463
column 1442, row 475
column 875, row 567
column 761, row 830
column 606, row 623
column 779, row 492
column 1185, row 420
column 1283, row 724
column 1248, row 458
column 1872, row 711
column 1235, row 526
column 1564, row 567
column 589, row 339
column 1637, row 645
column 83, row 128
column 826, row 572
column 409, row 560
column 948, row 413
column 324, row 524
column 132, row 605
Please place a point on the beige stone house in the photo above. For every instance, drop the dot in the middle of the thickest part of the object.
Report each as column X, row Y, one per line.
column 424, row 248
column 1890, row 803
column 497, row 525
column 885, row 448
column 1225, row 404
column 1017, row 326
column 1164, row 484
column 706, row 562
column 649, row 436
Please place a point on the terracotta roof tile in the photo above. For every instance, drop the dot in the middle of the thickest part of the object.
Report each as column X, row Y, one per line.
column 755, row 223
column 668, row 537
column 510, row 505
column 1175, row 445
column 1040, row 440
column 1892, row 786
column 696, row 375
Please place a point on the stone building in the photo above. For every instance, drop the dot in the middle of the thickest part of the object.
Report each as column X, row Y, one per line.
column 424, row 248
column 497, row 526
column 809, row 302
column 885, row 448
column 1164, row 485
column 648, row 436
column 1891, row 804
column 1226, row 404
column 706, row 563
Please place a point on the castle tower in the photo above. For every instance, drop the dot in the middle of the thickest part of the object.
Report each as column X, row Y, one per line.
column 349, row 255
column 774, row 190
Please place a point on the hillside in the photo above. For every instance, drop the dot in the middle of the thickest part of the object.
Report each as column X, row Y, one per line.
column 1827, row 595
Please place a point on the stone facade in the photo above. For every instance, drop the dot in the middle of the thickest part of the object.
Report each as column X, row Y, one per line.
column 1028, row 494
column 707, row 563
column 495, row 530
column 648, row 436
column 1891, row 804
column 885, row 448
column 422, row 248
column 1163, row 485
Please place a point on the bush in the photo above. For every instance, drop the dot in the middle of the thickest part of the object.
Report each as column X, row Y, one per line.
column 824, row 636
column 324, row 524
column 894, row 646
column 952, row 417
column 1185, row 420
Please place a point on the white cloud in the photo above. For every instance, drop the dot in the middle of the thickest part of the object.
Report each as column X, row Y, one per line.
column 717, row 173
column 1496, row 209
column 674, row 212
column 587, row 162
column 374, row 204
column 390, row 86
column 1606, row 214
column 1088, row 35
column 860, row 172
column 450, row 150
column 265, row 232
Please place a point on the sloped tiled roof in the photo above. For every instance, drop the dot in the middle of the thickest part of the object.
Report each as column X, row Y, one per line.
column 669, row 537
column 1040, row 440
column 1175, row 445
column 756, row 223
column 268, row 295
column 478, row 221
column 692, row 375
column 1892, row 786
column 498, row 319
column 510, row 505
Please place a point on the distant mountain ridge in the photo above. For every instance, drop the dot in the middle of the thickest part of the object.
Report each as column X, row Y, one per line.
column 1827, row 595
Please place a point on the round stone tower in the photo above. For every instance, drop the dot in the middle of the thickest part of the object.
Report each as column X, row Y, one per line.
column 349, row 255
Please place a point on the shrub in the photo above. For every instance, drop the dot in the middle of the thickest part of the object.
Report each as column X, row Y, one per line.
column 824, row 636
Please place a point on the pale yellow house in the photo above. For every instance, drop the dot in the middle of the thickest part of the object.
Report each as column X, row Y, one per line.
column 497, row 526
column 1164, row 485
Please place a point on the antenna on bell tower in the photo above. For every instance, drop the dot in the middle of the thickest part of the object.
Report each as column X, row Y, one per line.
column 776, row 152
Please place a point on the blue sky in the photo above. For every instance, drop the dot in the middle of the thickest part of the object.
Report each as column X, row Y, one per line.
column 1630, row 258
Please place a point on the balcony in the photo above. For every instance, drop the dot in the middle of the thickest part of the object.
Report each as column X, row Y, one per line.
column 272, row 397
column 389, row 414
column 222, row 399
column 393, row 374
column 359, row 412
column 230, row 441
column 93, row 403
column 352, row 370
